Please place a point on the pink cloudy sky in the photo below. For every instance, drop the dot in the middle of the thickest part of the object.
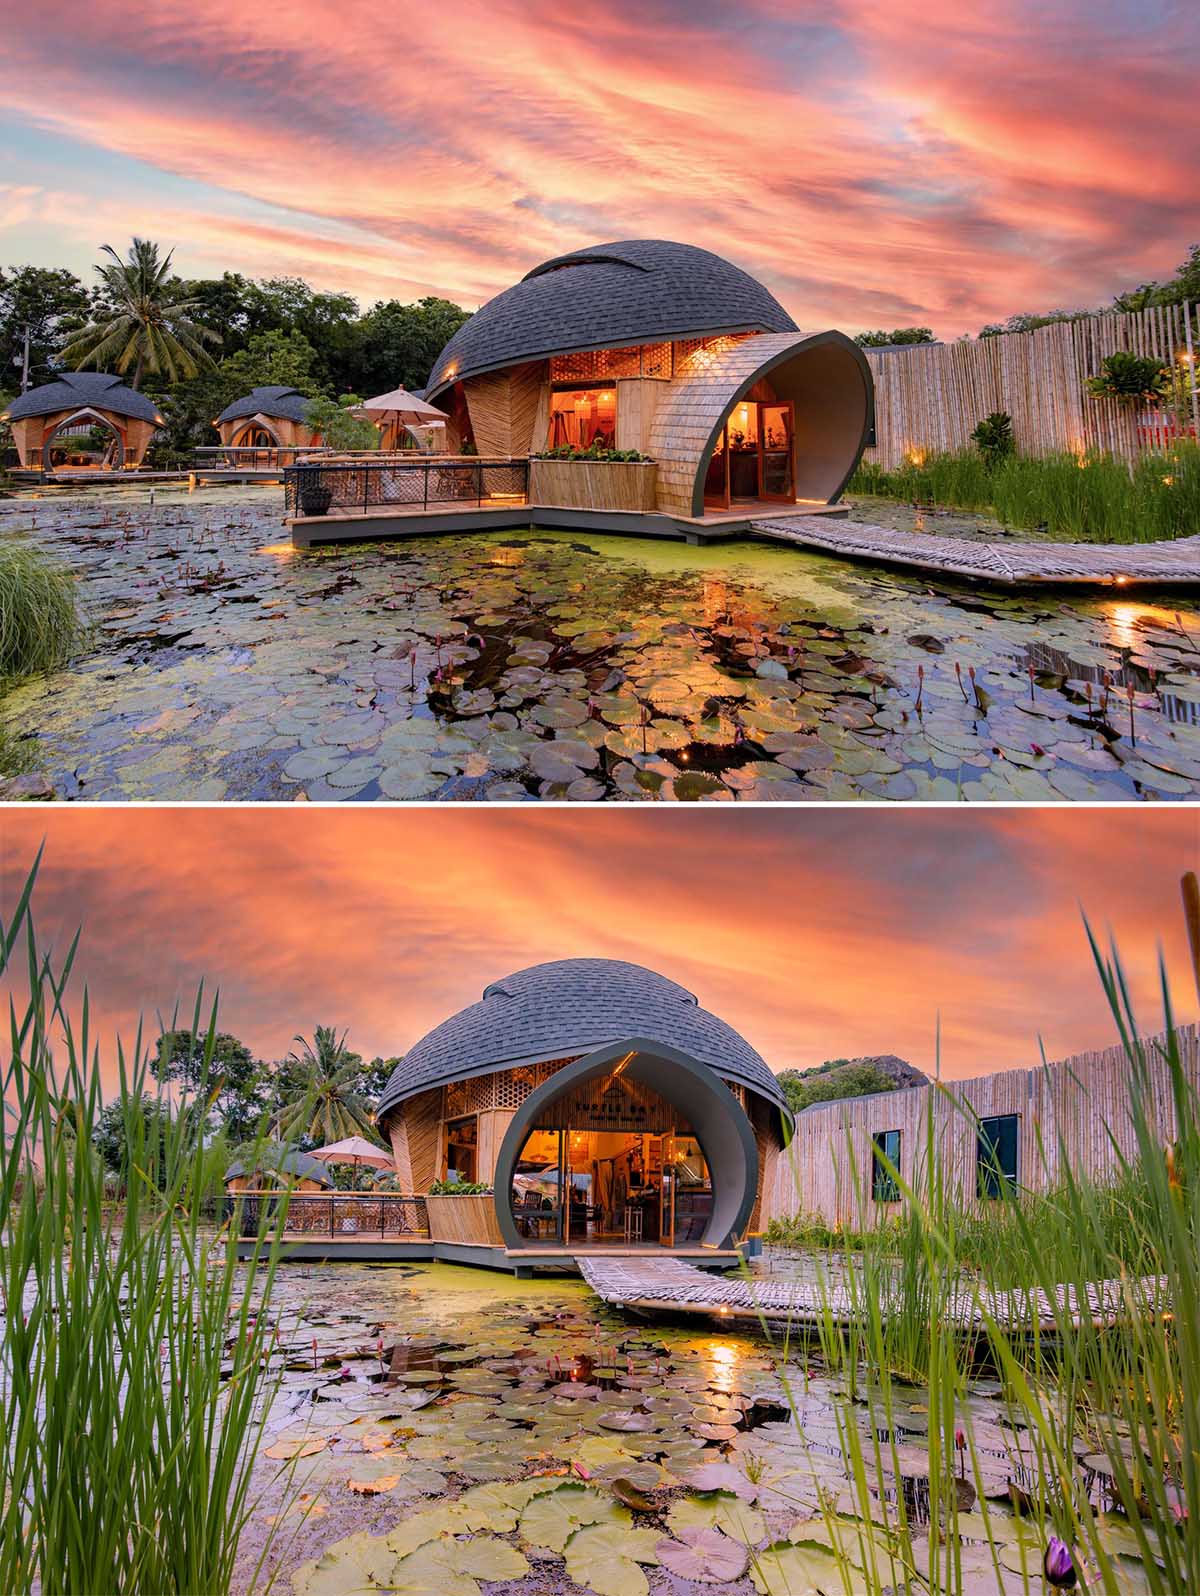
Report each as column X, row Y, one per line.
column 923, row 161
column 817, row 933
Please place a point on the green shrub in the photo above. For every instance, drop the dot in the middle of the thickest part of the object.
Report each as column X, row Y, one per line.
column 41, row 626
column 1130, row 379
column 594, row 451
column 993, row 437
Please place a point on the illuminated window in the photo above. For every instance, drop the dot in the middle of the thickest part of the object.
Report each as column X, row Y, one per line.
column 580, row 417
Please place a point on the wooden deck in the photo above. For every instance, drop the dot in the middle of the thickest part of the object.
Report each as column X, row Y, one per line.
column 673, row 1285
column 1175, row 563
column 416, row 521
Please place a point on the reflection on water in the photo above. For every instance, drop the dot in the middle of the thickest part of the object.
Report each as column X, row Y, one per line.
column 523, row 666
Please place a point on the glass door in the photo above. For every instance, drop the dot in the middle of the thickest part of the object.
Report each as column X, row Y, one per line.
column 775, row 451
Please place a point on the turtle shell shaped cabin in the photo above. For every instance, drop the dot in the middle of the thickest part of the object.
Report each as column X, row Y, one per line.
column 602, row 1106
column 270, row 417
column 87, row 420
column 646, row 347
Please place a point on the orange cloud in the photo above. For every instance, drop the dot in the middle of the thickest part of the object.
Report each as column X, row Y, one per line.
column 873, row 164
column 817, row 934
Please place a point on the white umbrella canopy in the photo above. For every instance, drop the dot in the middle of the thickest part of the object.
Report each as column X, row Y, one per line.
column 353, row 1150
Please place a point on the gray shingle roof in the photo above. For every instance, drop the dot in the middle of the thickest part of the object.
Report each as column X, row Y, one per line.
column 566, row 1008
column 273, row 400
column 72, row 390
column 643, row 290
column 300, row 1165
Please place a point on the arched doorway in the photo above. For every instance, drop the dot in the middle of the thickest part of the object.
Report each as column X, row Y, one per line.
column 114, row 454
column 256, row 434
column 635, row 1144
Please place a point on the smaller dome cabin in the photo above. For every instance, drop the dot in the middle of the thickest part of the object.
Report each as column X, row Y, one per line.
column 82, row 419
column 270, row 417
column 601, row 1104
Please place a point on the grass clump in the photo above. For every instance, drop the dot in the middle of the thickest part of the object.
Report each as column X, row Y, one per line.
column 1095, row 498
column 132, row 1370
column 41, row 625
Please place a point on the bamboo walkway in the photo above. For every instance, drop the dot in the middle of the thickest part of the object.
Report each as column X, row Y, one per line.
column 669, row 1285
column 1174, row 563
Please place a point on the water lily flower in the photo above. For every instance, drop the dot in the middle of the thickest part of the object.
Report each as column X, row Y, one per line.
column 1058, row 1565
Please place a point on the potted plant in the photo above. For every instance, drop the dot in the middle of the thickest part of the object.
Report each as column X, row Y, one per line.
column 315, row 496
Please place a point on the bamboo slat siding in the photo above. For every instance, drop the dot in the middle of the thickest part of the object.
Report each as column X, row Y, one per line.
column 930, row 397
column 1083, row 1100
column 503, row 407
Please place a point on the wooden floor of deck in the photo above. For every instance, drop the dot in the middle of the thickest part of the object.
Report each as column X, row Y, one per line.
column 1174, row 563
column 673, row 1285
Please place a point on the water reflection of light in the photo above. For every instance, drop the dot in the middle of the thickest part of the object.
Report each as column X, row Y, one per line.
column 723, row 1357
column 280, row 549
column 507, row 556
column 1126, row 617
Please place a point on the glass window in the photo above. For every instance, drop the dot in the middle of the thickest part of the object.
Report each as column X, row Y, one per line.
column 885, row 1145
column 580, row 417
column 462, row 1145
column 996, row 1155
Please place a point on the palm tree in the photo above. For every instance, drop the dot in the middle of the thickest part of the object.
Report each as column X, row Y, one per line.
column 322, row 1096
column 148, row 325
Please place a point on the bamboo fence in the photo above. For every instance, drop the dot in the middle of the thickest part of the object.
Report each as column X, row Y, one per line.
column 1076, row 1109
column 929, row 397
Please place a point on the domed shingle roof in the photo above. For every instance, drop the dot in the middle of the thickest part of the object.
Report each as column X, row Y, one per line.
column 275, row 399
column 640, row 291
column 567, row 1008
column 73, row 390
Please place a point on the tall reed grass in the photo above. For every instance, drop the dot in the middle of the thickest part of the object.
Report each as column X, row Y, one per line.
column 1097, row 498
column 41, row 625
column 1125, row 1393
column 132, row 1371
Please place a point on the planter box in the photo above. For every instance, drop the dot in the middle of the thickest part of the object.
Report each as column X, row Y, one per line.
column 594, row 484
column 468, row 1219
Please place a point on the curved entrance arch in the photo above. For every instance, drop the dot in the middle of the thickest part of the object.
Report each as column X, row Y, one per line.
column 718, row 1122
column 97, row 419
column 258, row 433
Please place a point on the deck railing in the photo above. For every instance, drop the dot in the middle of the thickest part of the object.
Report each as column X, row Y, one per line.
column 416, row 483
column 388, row 1216
column 270, row 457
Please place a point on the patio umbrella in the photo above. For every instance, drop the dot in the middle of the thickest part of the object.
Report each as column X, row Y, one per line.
column 400, row 408
column 354, row 1150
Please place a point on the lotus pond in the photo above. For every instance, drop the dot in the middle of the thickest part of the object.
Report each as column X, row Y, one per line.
column 552, row 665
column 444, row 1432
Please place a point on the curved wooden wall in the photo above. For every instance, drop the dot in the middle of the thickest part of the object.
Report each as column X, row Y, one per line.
column 824, row 374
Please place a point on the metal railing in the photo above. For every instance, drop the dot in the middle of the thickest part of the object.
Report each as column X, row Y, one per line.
column 346, row 1215
column 416, row 483
column 268, row 457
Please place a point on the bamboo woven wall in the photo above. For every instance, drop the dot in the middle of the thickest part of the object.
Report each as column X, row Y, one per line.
column 503, row 406
column 930, row 397
column 1082, row 1101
